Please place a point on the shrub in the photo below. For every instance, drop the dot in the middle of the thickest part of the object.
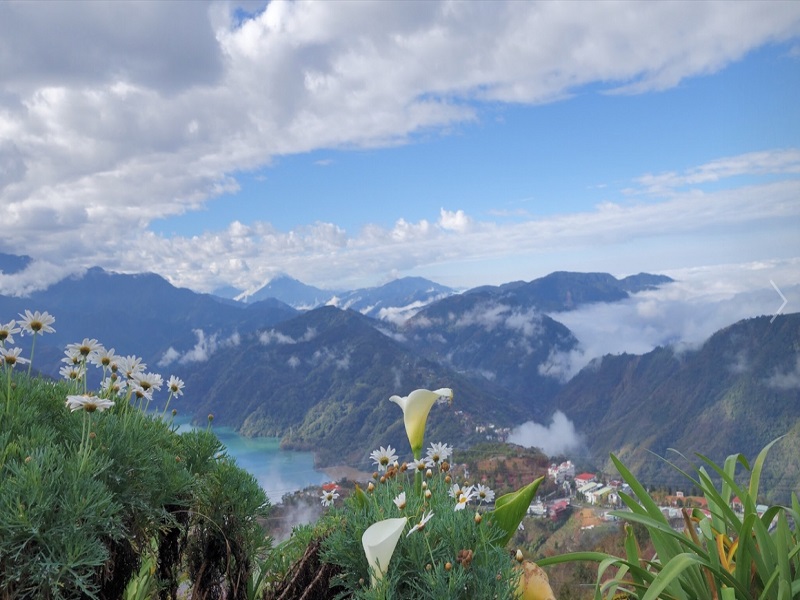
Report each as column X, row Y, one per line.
column 91, row 491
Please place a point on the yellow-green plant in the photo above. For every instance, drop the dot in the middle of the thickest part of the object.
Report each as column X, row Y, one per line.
column 720, row 555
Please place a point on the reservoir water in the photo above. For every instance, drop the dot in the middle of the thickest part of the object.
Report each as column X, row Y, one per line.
column 278, row 471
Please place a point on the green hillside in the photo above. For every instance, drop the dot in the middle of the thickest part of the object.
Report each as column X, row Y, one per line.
column 737, row 392
column 322, row 380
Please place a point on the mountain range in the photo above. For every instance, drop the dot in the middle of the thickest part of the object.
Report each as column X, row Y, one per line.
column 318, row 374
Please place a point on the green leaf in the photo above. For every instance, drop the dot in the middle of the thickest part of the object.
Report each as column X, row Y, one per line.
column 669, row 577
column 511, row 508
column 755, row 477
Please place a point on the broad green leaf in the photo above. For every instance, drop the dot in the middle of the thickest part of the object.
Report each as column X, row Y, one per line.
column 511, row 508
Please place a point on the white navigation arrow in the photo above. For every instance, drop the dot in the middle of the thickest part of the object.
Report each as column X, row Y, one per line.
column 782, row 298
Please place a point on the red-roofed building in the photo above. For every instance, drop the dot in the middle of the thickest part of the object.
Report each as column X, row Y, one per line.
column 330, row 487
column 558, row 508
column 584, row 478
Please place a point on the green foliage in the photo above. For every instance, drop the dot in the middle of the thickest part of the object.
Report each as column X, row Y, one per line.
column 452, row 556
column 88, row 500
column 511, row 508
column 724, row 397
column 224, row 531
column 724, row 554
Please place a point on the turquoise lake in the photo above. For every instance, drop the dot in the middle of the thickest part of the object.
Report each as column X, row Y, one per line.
column 278, row 471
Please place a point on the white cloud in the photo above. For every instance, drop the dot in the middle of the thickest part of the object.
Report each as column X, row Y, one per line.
column 272, row 336
column 454, row 221
column 786, row 380
column 169, row 357
column 682, row 315
column 753, row 163
column 399, row 314
column 327, row 356
column 490, row 315
column 205, row 346
column 559, row 437
column 107, row 124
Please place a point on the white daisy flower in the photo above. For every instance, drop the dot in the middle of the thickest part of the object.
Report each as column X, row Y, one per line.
column 71, row 372
column 400, row 500
column 103, row 357
column 7, row 331
column 484, row 493
column 464, row 498
column 86, row 349
column 88, row 403
column 455, row 491
column 37, row 322
column 419, row 526
column 130, row 366
column 327, row 498
column 383, row 457
column 148, row 381
column 420, row 465
column 11, row 356
column 439, row 452
column 175, row 385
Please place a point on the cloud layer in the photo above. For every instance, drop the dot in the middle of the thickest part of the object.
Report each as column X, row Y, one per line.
column 682, row 315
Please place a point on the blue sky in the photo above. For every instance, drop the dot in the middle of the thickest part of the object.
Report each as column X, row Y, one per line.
column 351, row 143
column 520, row 161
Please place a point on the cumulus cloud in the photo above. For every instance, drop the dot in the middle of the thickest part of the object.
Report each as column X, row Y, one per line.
column 169, row 357
column 272, row 336
column 559, row 437
column 205, row 346
column 456, row 221
column 107, row 123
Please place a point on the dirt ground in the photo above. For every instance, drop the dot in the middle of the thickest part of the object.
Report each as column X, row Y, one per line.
column 589, row 518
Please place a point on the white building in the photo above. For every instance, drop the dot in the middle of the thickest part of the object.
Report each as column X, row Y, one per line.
column 561, row 472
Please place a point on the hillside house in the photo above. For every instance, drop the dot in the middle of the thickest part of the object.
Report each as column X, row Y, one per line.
column 559, row 473
column 599, row 495
column 588, row 488
column 558, row 509
column 584, row 478
column 537, row 509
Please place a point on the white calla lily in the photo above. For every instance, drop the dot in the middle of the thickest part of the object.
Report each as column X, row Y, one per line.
column 416, row 407
column 379, row 541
